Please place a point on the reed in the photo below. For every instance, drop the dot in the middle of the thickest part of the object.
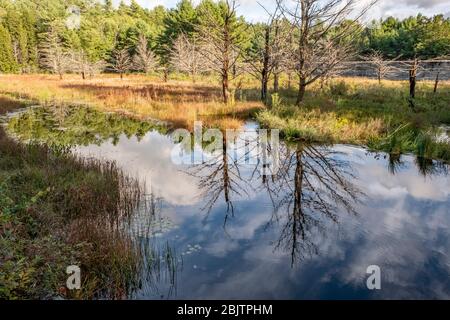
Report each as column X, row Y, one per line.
column 57, row 210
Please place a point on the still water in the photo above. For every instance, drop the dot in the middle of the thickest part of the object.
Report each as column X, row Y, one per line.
column 310, row 231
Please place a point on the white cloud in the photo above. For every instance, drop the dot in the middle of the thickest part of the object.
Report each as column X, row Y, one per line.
column 253, row 9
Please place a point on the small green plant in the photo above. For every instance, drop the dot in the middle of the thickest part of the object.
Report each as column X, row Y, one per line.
column 275, row 101
column 339, row 88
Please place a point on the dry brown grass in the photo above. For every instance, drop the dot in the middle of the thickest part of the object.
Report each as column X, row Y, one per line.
column 177, row 102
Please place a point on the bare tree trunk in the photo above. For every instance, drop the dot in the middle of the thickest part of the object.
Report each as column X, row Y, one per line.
column 413, row 79
column 276, row 82
column 83, row 75
column 276, row 76
column 301, row 91
column 264, row 88
column 60, row 76
column 121, row 76
column 412, row 83
column 265, row 70
column 226, row 62
column 436, row 83
column 225, row 86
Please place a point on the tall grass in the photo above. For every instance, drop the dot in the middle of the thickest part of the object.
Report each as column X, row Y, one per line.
column 57, row 210
column 362, row 112
column 177, row 102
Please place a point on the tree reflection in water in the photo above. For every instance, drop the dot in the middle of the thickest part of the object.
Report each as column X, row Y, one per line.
column 70, row 126
column 220, row 175
column 426, row 167
column 311, row 186
column 307, row 190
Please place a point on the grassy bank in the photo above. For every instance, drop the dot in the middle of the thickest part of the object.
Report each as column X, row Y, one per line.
column 363, row 112
column 356, row 111
column 177, row 102
column 57, row 210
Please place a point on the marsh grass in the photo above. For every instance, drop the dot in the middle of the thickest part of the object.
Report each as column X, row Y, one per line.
column 57, row 210
column 343, row 110
column 179, row 103
column 362, row 112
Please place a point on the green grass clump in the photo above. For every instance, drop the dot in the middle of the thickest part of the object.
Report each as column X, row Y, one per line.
column 58, row 210
column 363, row 112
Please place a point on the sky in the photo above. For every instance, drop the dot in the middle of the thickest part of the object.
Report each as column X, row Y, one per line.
column 253, row 10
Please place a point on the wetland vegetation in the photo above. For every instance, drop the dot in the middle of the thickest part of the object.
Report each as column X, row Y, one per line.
column 90, row 92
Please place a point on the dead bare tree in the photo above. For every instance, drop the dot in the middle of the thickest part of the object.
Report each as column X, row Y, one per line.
column 413, row 81
column 81, row 64
column 383, row 67
column 121, row 61
column 438, row 68
column 265, row 57
column 221, row 36
column 53, row 54
column 144, row 60
column 186, row 56
column 323, row 30
column 96, row 67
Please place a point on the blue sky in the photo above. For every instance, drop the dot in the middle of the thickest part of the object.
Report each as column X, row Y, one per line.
column 398, row 8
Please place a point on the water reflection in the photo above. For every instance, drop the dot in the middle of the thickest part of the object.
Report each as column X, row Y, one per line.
column 68, row 126
column 219, row 175
column 160, row 263
column 427, row 167
column 310, row 187
column 335, row 209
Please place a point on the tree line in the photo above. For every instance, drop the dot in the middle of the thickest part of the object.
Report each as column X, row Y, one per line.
column 308, row 41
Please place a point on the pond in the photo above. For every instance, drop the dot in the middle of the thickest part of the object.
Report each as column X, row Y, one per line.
column 310, row 230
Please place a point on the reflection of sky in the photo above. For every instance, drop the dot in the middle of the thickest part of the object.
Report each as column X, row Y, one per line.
column 402, row 226
column 150, row 160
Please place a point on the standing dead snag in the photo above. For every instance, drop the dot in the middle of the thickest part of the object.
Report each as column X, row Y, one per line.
column 413, row 80
column 439, row 68
column 436, row 82
column 144, row 60
column 221, row 36
column 186, row 56
column 53, row 55
column 382, row 67
column 121, row 61
column 81, row 64
column 266, row 55
column 324, row 33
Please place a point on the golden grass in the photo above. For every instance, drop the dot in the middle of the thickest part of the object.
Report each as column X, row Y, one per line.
column 177, row 102
column 361, row 111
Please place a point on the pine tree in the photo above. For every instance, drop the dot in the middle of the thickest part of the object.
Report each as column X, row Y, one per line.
column 108, row 6
column 18, row 37
column 7, row 63
column 30, row 28
column 180, row 20
column 223, row 37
